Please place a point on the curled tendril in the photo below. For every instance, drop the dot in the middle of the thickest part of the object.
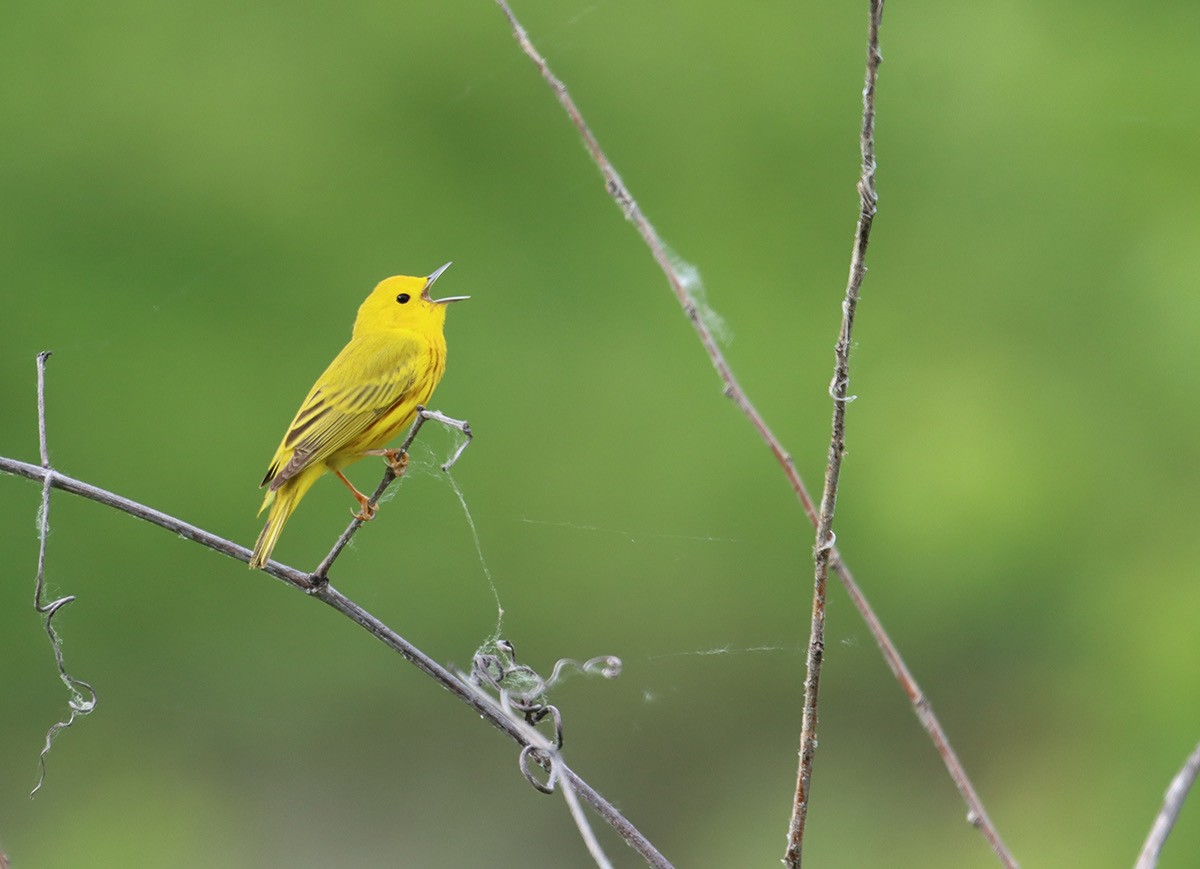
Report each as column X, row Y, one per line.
column 542, row 759
column 500, row 669
column 608, row 666
column 837, row 386
column 536, row 713
column 523, row 691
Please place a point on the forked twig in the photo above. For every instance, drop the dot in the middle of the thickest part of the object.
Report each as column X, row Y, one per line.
column 83, row 696
column 1169, row 814
column 616, row 188
column 487, row 708
column 838, row 389
column 390, row 476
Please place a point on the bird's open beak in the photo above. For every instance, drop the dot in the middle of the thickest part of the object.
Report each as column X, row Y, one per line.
column 437, row 273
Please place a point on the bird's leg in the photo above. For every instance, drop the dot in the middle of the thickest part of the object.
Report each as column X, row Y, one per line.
column 365, row 510
column 396, row 459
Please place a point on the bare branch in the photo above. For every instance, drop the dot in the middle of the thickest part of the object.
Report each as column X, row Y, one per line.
column 1169, row 814
column 83, row 696
column 976, row 814
column 838, row 388
column 282, row 572
column 43, row 447
column 486, row 707
column 625, row 201
column 581, row 822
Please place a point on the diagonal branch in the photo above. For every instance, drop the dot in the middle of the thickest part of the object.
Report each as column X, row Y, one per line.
column 1169, row 814
column 282, row 572
column 318, row 587
column 838, row 389
column 616, row 188
column 327, row 594
column 484, row 705
column 658, row 248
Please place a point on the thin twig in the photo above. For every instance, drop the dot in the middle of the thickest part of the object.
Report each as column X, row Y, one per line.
column 581, row 823
column 976, row 814
column 83, row 696
column 43, row 446
column 486, row 708
column 616, row 188
column 838, row 389
column 389, row 476
column 1169, row 814
column 625, row 201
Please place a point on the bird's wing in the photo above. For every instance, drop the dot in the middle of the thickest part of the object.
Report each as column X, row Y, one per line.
column 364, row 381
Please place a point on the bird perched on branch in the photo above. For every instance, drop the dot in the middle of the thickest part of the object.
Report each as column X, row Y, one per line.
column 367, row 395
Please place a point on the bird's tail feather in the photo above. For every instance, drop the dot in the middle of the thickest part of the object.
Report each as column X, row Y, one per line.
column 282, row 502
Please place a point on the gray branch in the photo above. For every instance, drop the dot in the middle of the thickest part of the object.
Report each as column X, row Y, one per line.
column 1169, row 814
column 976, row 815
column 319, row 587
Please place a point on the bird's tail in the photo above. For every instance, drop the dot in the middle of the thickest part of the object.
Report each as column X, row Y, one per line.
column 282, row 502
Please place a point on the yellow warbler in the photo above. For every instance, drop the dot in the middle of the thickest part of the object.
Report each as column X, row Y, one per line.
column 367, row 395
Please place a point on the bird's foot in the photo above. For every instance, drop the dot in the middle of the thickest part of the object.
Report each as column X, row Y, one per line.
column 366, row 510
column 397, row 461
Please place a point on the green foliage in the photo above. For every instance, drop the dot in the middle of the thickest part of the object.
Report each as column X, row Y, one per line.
column 182, row 184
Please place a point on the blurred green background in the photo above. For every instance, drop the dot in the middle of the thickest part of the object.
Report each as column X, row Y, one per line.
column 194, row 198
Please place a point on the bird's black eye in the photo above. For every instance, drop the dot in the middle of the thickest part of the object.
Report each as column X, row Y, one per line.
column 403, row 298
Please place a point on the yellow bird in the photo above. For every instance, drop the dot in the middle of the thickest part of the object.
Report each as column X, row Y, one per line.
column 367, row 395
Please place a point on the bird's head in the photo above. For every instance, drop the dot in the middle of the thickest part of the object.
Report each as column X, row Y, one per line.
column 402, row 302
